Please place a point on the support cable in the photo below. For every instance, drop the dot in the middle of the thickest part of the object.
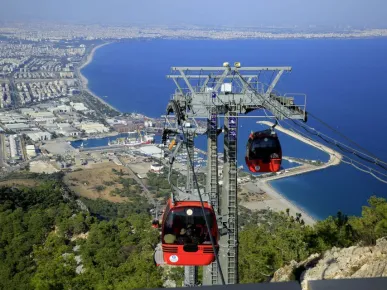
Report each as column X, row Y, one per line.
column 324, row 137
column 351, row 161
column 203, row 211
column 341, row 134
column 180, row 117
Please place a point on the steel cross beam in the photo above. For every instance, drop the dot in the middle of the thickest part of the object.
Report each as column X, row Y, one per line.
column 197, row 96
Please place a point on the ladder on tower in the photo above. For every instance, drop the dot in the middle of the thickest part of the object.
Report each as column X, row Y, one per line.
column 231, row 155
column 213, row 175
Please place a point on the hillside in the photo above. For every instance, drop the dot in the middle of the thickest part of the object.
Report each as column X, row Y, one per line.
column 50, row 239
column 48, row 242
column 338, row 263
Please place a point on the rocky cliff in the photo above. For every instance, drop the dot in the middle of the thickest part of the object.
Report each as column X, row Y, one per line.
column 352, row 262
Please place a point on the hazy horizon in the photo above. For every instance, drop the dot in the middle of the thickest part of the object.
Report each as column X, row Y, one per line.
column 244, row 13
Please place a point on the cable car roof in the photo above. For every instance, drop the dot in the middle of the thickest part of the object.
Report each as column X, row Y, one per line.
column 191, row 203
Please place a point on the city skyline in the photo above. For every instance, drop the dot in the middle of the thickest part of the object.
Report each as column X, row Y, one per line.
column 247, row 13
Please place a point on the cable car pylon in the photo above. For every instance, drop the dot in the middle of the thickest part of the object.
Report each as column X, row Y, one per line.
column 224, row 92
column 189, row 233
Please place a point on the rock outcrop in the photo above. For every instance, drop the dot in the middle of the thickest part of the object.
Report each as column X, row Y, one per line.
column 352, row 262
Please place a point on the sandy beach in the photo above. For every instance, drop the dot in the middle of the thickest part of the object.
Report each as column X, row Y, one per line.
column 277, row 201
column 334, row 156
column 84, row 81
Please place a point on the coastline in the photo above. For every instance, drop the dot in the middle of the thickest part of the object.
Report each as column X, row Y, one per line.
column 334, row 156
column 294, row 208
column 276, row 202
column 84, row 81
column 280, row 202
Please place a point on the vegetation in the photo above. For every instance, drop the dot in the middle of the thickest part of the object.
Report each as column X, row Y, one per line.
column 269, row 240
column 104, row 209
column 49, row 240
column 99, row 106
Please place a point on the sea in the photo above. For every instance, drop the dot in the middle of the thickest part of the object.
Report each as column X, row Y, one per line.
column 344, row 80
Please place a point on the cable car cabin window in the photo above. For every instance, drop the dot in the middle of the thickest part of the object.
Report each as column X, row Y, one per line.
column 266, row 147
column 166, row 212
column 186, row 225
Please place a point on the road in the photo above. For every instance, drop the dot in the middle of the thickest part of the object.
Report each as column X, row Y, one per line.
column 42, row 80
column 146, row 191
column 2, row 150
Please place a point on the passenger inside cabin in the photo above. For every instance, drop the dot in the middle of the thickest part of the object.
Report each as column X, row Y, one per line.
column 264, row 149
column 187, row 229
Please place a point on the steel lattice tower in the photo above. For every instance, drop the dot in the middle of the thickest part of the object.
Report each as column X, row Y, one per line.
column 225, row 92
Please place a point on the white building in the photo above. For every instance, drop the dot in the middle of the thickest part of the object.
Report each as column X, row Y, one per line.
column 12, row 146
column 151, row 150
column 39, row 136
column 31, row 152
column 92, row 128
column 18, row 126
column 78, row 106
column 42, row 115
column 116, row 122
column 26, row 111
column 156, row 168
column 61, row 109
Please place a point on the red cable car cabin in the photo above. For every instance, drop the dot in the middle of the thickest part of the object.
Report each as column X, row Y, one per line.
column 263, row 152
column 185, row 238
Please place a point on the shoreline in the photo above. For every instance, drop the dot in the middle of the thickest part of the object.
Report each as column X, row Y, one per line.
column 85, row 82
column 277, row 202
column 280, row 202
column 294, row 207
column 334, row 156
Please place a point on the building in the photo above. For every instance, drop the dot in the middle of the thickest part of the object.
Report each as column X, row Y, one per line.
column 156, row 168
column 17, row 127
column 116, row 122
column 39, row 136
column 41, row 115
column 78, row 106
column 61, row 109
column 31, row 152
column 12, row 146
column 92, row 128
column 152, row 151
column 26, row 111
column 121, row 128
column 67, row 130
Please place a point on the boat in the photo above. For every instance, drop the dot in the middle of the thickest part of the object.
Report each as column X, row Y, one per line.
column 131, row 140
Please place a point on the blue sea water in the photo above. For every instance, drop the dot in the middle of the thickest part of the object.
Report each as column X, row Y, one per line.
column 344, row 81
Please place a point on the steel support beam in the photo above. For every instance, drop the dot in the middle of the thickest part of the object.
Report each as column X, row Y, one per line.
column 210, row 273
column 190, row 276
column 228, row 250
column 189, row 188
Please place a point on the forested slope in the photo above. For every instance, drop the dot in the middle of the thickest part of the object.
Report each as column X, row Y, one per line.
column 48, row 242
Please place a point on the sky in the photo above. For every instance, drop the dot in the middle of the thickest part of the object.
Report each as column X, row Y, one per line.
column 236, row 13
